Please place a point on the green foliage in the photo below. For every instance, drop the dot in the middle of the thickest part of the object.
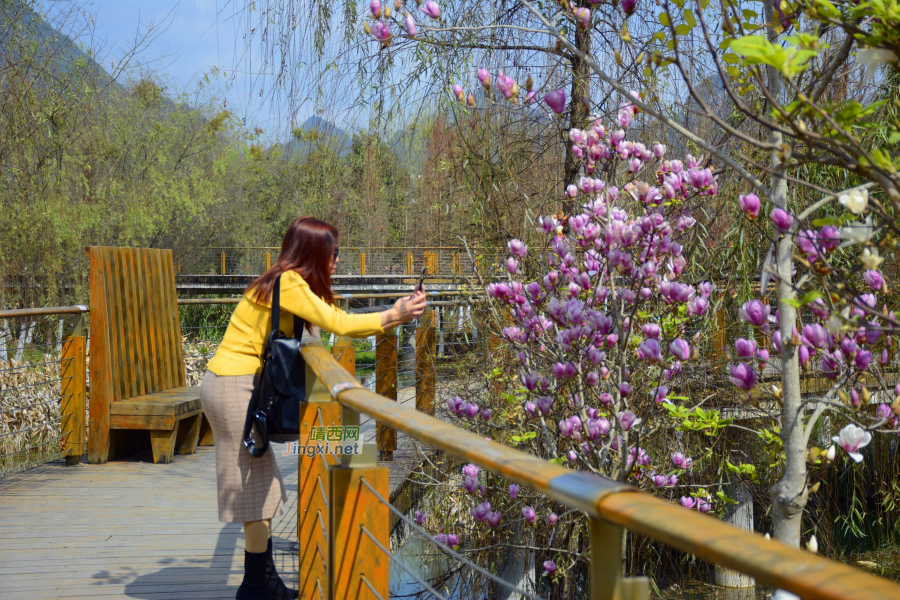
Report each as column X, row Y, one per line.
column 790, row 59
column 707, row 422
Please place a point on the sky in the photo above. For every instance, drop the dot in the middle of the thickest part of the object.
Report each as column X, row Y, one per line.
column 189, row 39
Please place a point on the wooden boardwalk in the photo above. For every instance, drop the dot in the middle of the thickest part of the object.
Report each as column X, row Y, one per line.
column 134, row 529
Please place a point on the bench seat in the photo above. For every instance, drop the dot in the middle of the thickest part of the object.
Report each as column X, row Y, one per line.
column 137, row 370
column 173, row 417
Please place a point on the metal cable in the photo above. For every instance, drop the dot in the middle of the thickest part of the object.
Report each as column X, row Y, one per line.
column 322, row 523
column 400, row 564
column 322, row 489
column 30, row 447
column 17, row 408
column 35, row 427
column 34, row 366
column 22, row 387
column 369, row 585
column 319, row 586
column 447, row 549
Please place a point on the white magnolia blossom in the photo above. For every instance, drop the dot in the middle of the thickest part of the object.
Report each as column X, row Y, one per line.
column 858, row 234
column 870, row 258
column 856, row 201
column 873, row 57
column 813, row 545
column 851, row 438
column 830, row 453
column 834, row 324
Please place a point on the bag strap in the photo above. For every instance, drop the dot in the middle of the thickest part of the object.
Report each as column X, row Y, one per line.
column 299, row 323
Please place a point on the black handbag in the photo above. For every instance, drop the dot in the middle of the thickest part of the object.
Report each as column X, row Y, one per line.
column 275, row 403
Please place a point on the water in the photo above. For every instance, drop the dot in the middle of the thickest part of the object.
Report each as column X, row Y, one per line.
column 425, row 560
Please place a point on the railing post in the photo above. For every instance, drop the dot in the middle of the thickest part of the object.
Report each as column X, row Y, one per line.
column 314, row 491
column 410, row 264
column 73, row 397
column 355, row 514
column 362, row 263
column 268, row 260
column 607, row 582
column 223, row 262
column 425, row 372
column 386, row 385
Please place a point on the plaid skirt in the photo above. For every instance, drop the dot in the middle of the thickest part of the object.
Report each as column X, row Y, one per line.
column 249, row 489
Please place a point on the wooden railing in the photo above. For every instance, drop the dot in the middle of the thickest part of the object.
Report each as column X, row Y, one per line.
column 340, row 513
column 438, row 261
column 342, row 516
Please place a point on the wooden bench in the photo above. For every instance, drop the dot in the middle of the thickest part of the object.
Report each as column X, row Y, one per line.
column 138, row 396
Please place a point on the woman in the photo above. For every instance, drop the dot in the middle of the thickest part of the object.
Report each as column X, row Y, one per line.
column 251, row 490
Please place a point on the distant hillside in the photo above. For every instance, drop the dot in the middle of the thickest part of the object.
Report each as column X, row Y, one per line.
column 316, row 130
column 49, row 40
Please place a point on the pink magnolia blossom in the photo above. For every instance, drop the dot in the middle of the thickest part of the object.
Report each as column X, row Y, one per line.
column 745, row 348
column 782, row 220
column 556, row 100
column 583, row 16
column 380, row 31
column 410, row 25
column 680, row 349
column 755, row 312
column 750, row 204
column 528, row 514
column 432, row 9
column 743, row 376
column 485, row 78
column 874, row 279
column 628, row 419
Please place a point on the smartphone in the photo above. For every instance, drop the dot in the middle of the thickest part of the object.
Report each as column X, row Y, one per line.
column 421, row 284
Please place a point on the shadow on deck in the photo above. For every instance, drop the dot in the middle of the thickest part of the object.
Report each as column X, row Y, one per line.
column 134, row 529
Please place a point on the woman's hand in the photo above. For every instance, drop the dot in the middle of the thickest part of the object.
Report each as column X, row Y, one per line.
column 404, row 310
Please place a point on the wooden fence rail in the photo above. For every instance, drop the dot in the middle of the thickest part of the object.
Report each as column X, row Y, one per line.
column 611, row 506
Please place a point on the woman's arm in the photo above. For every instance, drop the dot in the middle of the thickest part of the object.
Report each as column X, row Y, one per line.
column 297, row 298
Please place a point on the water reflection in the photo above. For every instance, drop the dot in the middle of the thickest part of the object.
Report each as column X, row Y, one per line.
column 699, row 591
column 423, row 558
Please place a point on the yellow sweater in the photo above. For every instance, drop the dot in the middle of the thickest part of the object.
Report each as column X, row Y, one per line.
column 241, row 350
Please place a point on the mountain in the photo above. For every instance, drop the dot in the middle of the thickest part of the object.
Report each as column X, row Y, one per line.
column 48, row 41
column 316, row 130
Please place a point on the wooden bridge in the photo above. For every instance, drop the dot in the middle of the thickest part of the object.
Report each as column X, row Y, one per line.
column 134, row 529
column 360, row 270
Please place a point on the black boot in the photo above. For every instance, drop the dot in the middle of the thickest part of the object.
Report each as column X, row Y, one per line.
column 254, row 586
column 276, row 585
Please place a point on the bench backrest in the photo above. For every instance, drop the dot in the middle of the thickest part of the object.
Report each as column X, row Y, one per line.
column 135, row 330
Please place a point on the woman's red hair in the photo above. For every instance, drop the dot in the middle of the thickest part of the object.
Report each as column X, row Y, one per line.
column 308, row 249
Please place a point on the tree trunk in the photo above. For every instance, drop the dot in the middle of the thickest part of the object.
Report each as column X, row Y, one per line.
column 579, row 108
column 789, row 495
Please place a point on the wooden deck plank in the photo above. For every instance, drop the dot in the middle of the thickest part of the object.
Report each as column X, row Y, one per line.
column 160, row 539
column 133, row 529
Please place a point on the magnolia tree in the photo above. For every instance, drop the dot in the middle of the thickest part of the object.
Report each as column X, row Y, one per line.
column 598, row 315
column 801, row 120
